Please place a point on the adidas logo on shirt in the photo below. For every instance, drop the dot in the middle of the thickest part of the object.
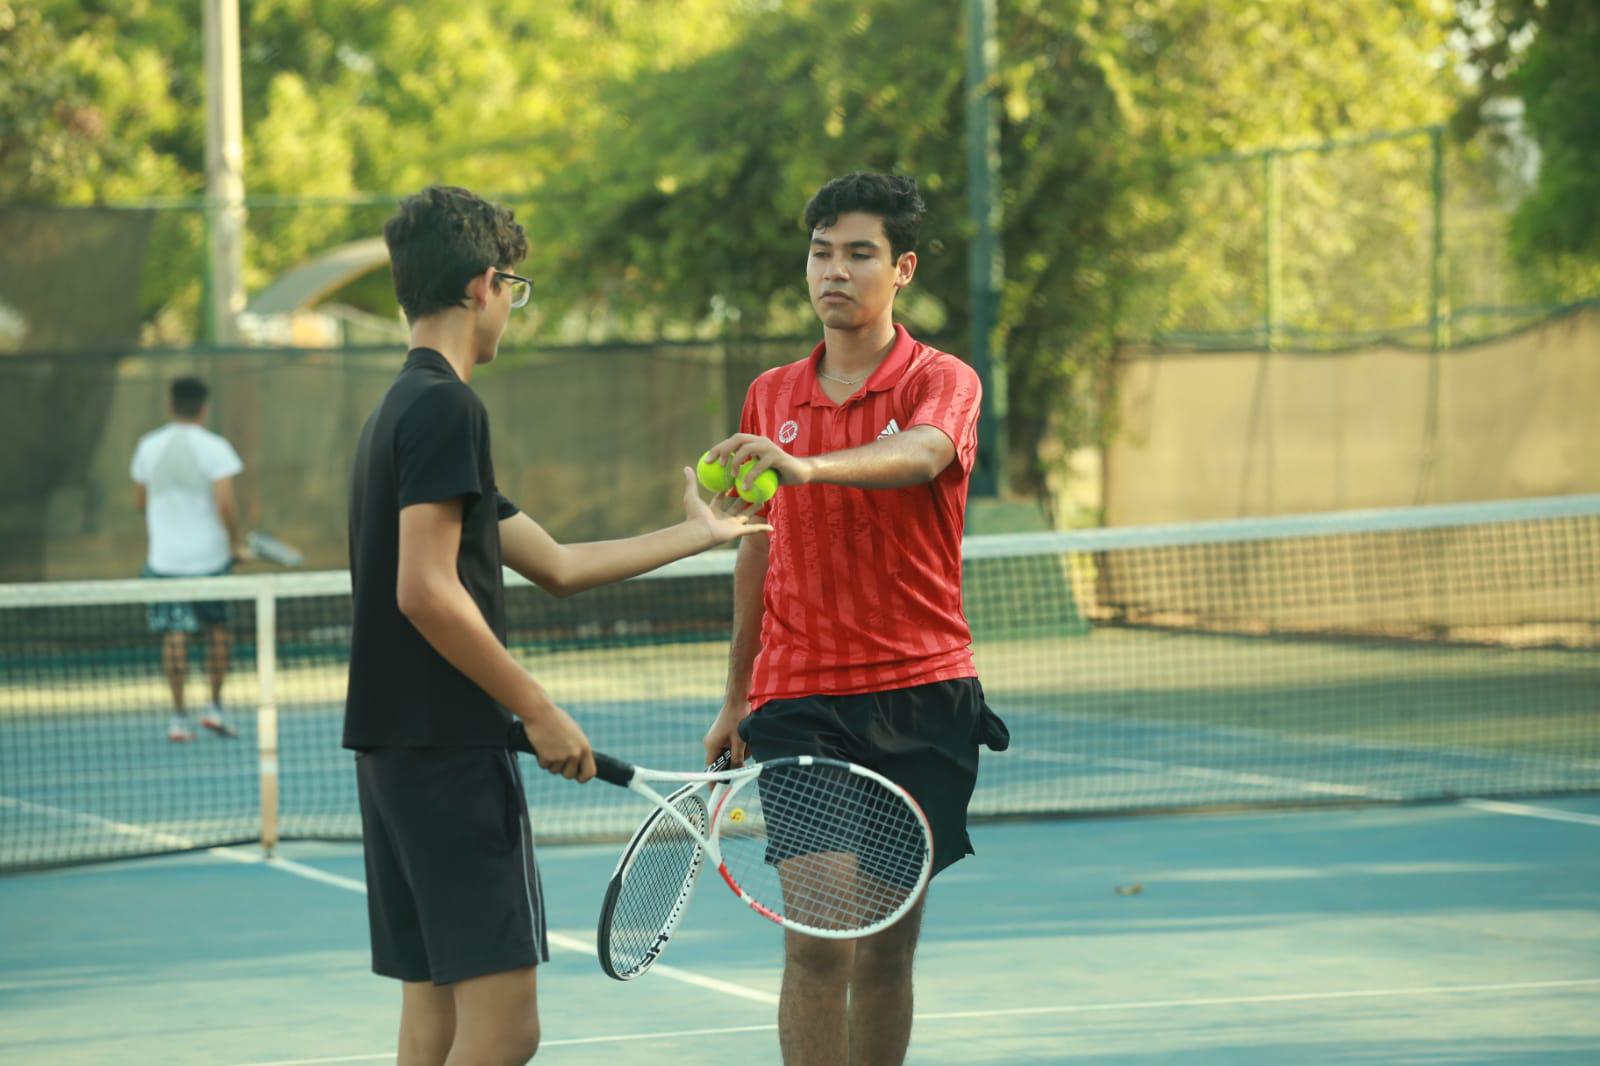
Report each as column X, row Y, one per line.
column 890, row 430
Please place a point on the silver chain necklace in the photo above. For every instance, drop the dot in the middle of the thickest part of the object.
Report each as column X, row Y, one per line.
column 842, row 381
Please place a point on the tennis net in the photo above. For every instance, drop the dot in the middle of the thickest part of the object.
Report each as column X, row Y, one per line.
column 1411, row 654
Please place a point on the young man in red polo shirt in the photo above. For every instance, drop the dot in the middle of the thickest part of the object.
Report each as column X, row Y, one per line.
column 849, row 640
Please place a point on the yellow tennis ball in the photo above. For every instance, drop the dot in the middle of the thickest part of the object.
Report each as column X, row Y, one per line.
column 714, row 477
column 736, row 815
column 762, row 489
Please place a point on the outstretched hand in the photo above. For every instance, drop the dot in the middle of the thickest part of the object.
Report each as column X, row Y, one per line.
column 726, row 517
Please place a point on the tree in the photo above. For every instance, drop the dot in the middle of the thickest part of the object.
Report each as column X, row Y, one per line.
column 1543, row 54
column 664, row 152
column 88, row 121
column 341, row 98
column 687, row 203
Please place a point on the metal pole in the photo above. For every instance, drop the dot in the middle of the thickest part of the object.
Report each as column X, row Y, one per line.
column 1273, row 267
column 1431, row 479
column 1438, row 322
column 986, row 259
column 224, row 171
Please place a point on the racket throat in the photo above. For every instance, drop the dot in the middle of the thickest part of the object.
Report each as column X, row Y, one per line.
column 754, row 904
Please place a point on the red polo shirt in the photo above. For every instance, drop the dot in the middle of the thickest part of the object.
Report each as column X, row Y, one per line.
column 863, row 589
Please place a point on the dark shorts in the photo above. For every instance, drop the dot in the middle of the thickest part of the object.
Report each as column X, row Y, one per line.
column 925, row 739
column 186, row 617
column 452, row 884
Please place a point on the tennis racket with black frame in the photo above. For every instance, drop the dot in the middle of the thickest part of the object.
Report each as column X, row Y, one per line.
column 820, row 846
column 649, row 890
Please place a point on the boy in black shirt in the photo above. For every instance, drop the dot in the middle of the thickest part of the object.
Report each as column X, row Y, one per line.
column 452, row 888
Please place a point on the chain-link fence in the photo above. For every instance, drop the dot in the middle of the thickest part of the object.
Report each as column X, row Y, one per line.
column 1385, row 244
column 588, row 440
column 1345, row 326
column 1399, row 237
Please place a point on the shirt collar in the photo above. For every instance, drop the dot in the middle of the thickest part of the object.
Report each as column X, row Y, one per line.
column 886, row 377
column 429, row 358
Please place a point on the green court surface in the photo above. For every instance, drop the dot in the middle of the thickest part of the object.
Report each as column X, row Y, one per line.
column 1443, row 933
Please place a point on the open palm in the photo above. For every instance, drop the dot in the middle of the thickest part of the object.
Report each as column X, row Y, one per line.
column 726, row 517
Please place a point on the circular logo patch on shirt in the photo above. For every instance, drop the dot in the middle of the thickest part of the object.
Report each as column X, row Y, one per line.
column 788, row 432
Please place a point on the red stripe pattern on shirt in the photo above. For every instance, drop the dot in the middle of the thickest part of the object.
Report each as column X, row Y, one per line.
column 863, row 586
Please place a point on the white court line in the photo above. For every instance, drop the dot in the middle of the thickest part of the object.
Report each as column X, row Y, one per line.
column 1315, row 788
column 169, row 840
column 711, row 983
column 562, row 940
column 1283, row 997
column 1080, row 1008
column 1429, row 752
column 311, row 873
column 166, row 840
column 1523, row 810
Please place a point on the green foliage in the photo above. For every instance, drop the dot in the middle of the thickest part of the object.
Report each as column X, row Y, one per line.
column 93, row 117
column 687, row 205
column 1109, row 233
column 1559, row 82
column 340, row 97
column 47, row 124
column 1544, row 54
column 661, row 154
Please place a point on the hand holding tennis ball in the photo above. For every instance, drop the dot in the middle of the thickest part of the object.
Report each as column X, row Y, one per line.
column 714, row 477
column 761, row 489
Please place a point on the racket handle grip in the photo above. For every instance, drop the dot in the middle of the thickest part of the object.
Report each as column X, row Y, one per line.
column 517, row 739
column 614, row 771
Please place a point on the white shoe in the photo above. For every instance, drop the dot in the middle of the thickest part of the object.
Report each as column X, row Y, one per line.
column 212, row 719
column 178, row 729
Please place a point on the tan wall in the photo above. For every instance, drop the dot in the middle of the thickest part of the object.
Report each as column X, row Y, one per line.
column 1225, row 434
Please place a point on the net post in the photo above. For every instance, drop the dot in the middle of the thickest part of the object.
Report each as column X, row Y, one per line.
column 267, row 713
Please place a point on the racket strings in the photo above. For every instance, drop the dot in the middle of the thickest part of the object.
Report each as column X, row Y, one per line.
column 824, row 847
column 654, row 885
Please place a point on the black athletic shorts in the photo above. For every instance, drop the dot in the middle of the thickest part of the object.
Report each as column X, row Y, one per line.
column 924, row 738
column 452, row 885
column 186, row 617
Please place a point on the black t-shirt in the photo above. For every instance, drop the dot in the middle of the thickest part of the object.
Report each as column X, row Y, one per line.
column 428, row 441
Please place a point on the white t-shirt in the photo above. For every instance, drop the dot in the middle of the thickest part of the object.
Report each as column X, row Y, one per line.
column 178, row 465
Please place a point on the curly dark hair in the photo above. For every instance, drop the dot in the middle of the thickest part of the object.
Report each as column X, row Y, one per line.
column 442, row 238
column 892, row 197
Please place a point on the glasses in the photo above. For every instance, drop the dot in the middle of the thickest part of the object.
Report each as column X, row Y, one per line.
column 521, row 287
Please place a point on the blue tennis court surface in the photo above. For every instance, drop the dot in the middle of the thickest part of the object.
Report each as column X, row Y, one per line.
column 1450, row 933
column 130, row 791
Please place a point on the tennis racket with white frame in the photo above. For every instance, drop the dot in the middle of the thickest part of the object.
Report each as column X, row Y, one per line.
column 267, row 548
column 655, row 876
column 819, row 846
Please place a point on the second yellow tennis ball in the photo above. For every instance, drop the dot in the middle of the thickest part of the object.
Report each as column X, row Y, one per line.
column 714, row 477
column 761, row 489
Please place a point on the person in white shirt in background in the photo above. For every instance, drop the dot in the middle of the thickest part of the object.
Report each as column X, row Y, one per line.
column 183, row 483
